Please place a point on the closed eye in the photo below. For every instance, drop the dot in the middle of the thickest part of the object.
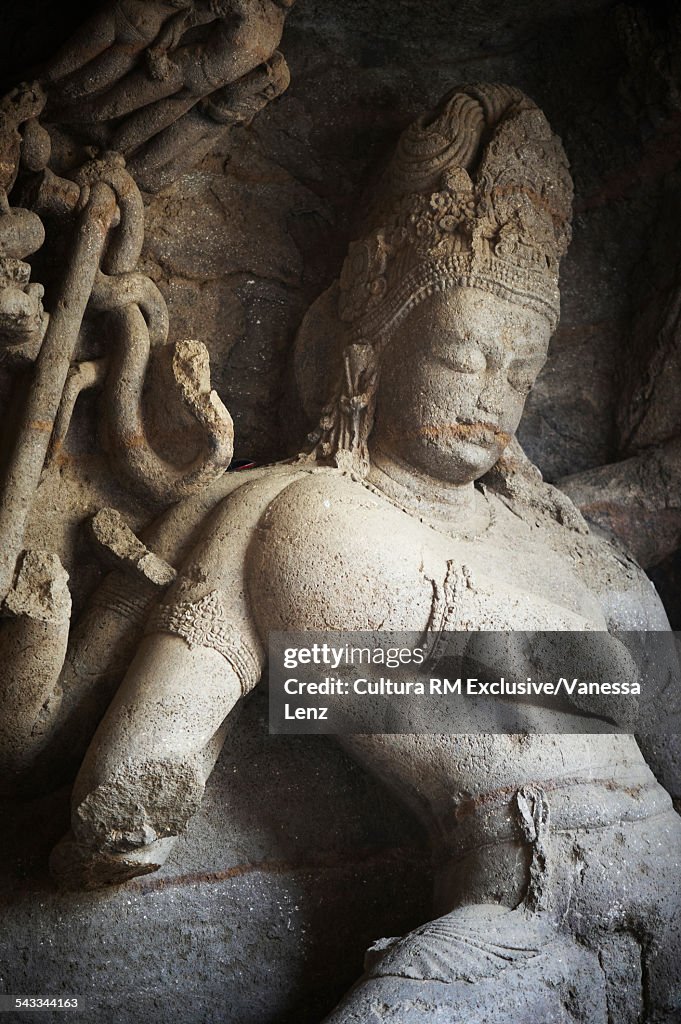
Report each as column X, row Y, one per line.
column 466, row 359
column 522, row 373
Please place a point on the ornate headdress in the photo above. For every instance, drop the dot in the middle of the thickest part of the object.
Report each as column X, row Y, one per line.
column 478, row 193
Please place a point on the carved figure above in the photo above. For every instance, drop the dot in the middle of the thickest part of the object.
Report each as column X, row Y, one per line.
column 160, row 82
column 22, row 319
column 415, row 502
column 73, row 200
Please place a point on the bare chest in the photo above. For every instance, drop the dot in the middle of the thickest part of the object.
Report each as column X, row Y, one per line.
column 329, row 554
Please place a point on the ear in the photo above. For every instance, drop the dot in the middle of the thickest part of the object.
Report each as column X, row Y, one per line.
column 318, row 353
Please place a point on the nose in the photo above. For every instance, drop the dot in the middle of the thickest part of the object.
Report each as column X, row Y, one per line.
column 494, row 384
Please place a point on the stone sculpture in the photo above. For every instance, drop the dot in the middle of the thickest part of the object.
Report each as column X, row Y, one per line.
column 58, row 184
column 22, row 318
column 159, row 82
column 556, row 855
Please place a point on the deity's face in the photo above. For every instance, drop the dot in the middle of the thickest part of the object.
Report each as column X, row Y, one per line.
column 454, row 379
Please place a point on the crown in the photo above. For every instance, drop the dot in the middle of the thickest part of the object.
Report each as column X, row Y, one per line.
column 477, row 194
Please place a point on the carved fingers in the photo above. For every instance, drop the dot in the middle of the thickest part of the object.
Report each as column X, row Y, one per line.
column 135, row 95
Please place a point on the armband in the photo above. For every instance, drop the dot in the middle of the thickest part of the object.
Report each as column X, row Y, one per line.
column 204, row 623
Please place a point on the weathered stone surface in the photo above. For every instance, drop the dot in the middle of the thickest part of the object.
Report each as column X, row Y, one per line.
column 258, row 235
column 238, row 283
column 565, row 429
column 255, row 882
column 637, row 500
column 355, row 83
column 445, row 307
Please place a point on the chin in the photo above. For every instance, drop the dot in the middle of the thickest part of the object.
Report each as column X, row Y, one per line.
column 460, row 462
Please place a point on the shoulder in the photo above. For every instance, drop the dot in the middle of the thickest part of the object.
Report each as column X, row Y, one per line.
column 314, row 482
column 626, row 595
column 292, row 485
column 252, row 492
column 600, row 561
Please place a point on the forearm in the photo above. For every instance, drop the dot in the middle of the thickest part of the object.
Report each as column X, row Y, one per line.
column 145, row 771
column 171, row 703
column 144, row 774
column 32, row 648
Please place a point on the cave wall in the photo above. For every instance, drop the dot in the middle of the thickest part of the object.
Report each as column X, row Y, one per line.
column 264, row 909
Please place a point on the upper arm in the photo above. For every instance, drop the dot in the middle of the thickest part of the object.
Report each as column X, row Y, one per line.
column 209, row 604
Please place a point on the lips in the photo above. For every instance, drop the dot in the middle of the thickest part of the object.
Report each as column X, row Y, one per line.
column 479, row 432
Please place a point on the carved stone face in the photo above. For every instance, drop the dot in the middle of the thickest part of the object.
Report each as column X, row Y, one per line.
column 454, row 379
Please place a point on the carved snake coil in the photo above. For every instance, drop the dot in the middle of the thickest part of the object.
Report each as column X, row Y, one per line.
column 141, row 318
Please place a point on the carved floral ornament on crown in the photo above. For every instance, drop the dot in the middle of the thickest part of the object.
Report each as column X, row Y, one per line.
column 504, row 225
column 423, row 225
column 504, row 231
